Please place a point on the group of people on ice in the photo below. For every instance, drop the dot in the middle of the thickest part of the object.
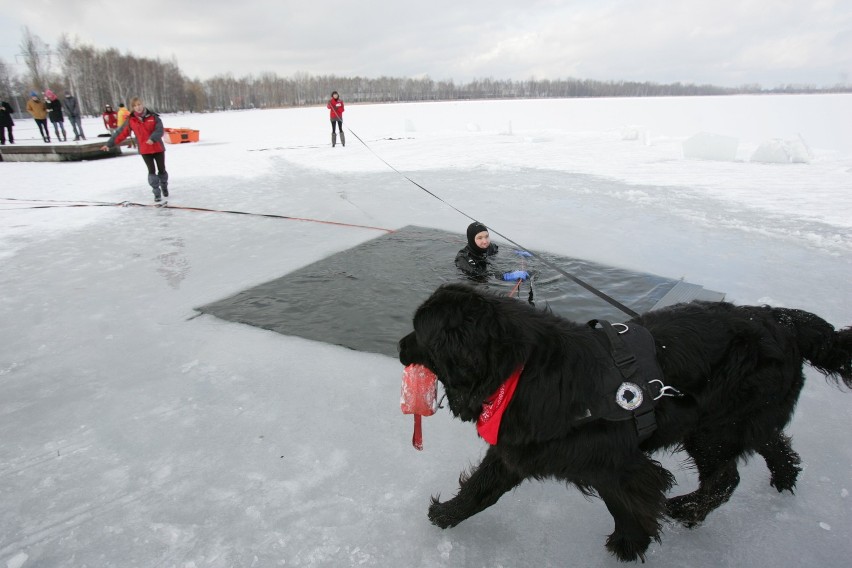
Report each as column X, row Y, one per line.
column 49, row 108
column 148, row 129
column 147, row 126
column 475, row 260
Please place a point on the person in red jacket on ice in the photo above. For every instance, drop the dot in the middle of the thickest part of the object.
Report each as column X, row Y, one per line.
column 110, row 119
column 148, row 128
column 335, row 105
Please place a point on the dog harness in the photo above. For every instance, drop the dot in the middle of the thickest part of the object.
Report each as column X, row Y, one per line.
column 634, row 381
column 630, row 388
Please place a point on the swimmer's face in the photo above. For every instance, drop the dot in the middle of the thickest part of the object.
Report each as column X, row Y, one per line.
column 482, row 240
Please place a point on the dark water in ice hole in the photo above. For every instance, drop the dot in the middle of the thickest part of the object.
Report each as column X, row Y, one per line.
column 364, row 298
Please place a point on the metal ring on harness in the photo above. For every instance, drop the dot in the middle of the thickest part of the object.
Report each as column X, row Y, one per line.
column 665, row 390
column 635, row 400
column 624, row 325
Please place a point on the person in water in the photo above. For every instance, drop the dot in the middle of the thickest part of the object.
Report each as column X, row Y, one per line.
column 476, row 258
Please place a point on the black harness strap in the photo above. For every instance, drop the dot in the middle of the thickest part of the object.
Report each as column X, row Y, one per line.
column 645, row 422
column 633, row 398
column 618, row 350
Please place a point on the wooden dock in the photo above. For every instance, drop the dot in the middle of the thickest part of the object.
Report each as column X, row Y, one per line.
column 57, row 152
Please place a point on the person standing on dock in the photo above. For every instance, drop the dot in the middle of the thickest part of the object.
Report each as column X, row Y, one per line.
column 38, row 110
column 54, row 107
column 72, row 108
column 6, row 122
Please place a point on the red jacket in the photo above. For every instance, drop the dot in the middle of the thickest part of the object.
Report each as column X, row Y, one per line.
column 336, row 108
column 109, row 119
column 146, row 127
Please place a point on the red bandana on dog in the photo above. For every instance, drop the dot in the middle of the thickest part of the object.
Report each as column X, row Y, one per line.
column 488, row 424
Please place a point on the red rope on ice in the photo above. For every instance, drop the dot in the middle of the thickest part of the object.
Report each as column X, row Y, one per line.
column 56, row 203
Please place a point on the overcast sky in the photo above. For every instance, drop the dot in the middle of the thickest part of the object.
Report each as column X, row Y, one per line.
column 721, row 42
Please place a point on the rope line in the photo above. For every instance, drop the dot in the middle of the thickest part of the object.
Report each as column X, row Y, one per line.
column 187, row 208
column 269, row 215
column 547, row 263
column 586, row 286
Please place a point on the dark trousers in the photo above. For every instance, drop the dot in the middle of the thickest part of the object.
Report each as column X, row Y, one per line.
column 338, row 123
column 77, row 125
column 159, row 159
column 42, row 128
column 57, row 126
column 3, row 130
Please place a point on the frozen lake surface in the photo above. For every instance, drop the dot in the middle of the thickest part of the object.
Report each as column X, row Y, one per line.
column 134, row 432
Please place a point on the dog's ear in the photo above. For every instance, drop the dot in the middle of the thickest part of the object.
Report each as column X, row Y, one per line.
column 444, row 323
column 470, row 336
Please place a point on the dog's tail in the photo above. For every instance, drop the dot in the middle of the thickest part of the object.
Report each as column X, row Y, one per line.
column 826, row 349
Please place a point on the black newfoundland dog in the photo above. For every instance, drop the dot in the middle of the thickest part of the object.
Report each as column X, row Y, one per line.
column 735, row 371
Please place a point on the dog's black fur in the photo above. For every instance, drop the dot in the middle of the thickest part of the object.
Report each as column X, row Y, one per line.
column 739, row 366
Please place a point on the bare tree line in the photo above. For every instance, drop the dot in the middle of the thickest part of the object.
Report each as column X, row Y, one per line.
column 106, row 76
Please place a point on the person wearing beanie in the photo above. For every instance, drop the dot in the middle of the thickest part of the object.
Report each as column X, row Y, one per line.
column 54, row 107
column 148, row 128
column 72, row 109
column 6, row 122
column 38, row 110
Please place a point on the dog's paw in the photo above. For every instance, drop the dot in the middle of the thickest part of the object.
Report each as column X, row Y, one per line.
column 440, row 514
column 785, row 479
column 783, row 485
column 685, row 510
column 627, row 550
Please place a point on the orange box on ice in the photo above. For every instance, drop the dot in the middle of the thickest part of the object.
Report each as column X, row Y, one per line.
column 180, row 135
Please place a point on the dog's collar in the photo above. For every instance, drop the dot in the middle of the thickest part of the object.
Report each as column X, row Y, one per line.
column 488, row 423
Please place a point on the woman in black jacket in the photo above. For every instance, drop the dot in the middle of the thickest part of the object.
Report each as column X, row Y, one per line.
column 6, row 122
column 54, row 112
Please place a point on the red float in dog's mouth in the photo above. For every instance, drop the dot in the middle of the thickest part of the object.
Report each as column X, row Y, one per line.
column 419, row 397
